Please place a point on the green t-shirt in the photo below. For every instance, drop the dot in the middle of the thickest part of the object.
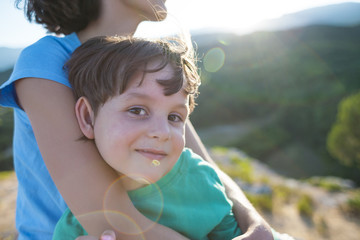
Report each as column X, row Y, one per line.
column 190, row 199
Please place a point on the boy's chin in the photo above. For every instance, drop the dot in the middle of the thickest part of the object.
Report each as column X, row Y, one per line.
column 142, row 181
column 132, row 182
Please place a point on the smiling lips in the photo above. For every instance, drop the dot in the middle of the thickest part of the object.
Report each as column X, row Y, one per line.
column 152, row 154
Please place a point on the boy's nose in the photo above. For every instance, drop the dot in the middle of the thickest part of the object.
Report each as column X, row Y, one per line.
column 159, row 128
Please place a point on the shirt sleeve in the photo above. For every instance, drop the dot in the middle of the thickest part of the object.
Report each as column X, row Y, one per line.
column 227, row 229
column 68, row 227
column 44, row 59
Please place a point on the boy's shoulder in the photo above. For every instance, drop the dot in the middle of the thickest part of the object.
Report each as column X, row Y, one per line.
column 192, row 158
column 195, row 163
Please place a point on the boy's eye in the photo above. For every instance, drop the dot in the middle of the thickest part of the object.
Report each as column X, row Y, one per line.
column 137, row 111
column 174, row 118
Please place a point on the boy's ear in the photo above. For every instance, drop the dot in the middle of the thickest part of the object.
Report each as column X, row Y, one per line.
column 85, row 116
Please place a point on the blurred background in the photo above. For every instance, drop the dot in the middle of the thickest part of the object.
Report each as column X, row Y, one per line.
column 279, row 104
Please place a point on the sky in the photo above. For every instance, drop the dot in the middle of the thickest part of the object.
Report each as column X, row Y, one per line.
column 237, row 16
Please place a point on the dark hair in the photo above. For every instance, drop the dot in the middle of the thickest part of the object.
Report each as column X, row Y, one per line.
column 63, row 16
column 103, row 66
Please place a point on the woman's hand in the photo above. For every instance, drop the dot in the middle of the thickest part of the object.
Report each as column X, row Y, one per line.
column 251, row 223
column 106, row 235
column 256, row 232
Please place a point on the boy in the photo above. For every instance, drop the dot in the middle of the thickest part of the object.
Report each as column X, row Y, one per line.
column 134, row 97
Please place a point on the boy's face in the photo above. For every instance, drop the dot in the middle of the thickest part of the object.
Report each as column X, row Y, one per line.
column 141, row 125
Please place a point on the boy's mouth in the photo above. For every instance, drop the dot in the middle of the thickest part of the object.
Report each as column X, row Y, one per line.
column 152, row 154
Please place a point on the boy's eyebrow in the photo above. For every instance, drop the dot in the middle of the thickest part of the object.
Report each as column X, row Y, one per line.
column 147, row 97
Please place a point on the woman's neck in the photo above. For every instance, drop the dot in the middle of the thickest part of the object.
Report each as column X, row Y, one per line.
column 114, row 19
column 93, row 31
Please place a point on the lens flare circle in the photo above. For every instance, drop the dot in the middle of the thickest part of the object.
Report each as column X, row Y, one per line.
column 121, row 221
column 214, row 59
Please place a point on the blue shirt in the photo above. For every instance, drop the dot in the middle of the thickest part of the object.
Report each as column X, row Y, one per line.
column 39, row 204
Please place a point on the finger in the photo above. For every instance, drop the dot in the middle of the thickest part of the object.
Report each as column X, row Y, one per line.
column 108, row 235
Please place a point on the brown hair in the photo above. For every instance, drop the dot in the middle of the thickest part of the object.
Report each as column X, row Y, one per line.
column 63, row 16
column 103, row 66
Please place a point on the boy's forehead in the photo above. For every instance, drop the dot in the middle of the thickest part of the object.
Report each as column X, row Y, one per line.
column 156, row 75
column 147, row 72
column 150, row 89
column 152, row 80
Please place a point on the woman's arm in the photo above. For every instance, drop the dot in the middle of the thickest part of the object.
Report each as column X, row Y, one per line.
column 251, row 223
column 76, row 167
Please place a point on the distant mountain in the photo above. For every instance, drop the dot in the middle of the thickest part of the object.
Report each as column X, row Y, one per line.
column 8, row 57
column 344, row 14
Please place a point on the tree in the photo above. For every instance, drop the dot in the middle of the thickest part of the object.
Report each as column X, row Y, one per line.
column 343, row 141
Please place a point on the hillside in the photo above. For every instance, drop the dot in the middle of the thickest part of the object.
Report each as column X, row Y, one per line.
column 314, row 209
column 296, row 78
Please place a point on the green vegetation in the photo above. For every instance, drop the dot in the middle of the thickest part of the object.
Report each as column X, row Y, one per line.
column 344, row 137
column 326, row 183
column 240, row 168
column 297, row 78
column 283, row 194
column 279, row 196
column 219, row 150
column 244, row 169
column 262, row 202
column 305, row 205
column 5, row 174
column 262, row 141
column 353, row 204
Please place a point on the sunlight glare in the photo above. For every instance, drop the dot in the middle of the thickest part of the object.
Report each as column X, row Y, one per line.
column 236, row 16
column 214, row 60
